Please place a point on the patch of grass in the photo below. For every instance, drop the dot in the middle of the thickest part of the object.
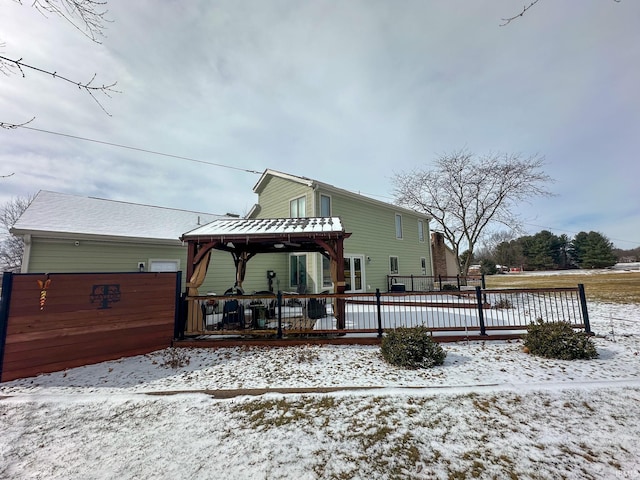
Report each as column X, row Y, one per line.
column 618, row 287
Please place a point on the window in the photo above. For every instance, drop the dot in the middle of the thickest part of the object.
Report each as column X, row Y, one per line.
column 421, row 230
column 423, row 265
column 398, row 225
column 298, row 272
column 164, row 265
column 325, row 206
column 326, row 272
column 297, row 208
column 393, row 265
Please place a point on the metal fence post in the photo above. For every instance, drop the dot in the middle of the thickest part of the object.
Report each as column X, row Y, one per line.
column 483, row 330
column 5, row 299
column 458, row 280
column 484, row 285
column 279, row 298
column 440, row 281
column 180, row 317
column 583, row 305
column 379, row 309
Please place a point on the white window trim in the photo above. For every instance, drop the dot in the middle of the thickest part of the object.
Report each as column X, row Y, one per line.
column 421, row 235
column 330, row 204
column 164, row 260
column 296, row 199
column 391, row 272
column 395, row 226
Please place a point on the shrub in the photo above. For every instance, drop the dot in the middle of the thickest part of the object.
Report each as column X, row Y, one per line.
column 503, row 303
column 450, row 287
column 412, row 348
column 558, row 340
column 175, row 358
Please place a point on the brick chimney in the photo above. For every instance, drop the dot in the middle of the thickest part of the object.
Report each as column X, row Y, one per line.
column 439, row 254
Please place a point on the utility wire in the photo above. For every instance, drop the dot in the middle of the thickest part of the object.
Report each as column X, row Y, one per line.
column 179, row 157
column 144, row 150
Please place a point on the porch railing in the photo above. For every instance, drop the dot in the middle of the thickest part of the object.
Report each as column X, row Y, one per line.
column 426, row 283
column 475, row 311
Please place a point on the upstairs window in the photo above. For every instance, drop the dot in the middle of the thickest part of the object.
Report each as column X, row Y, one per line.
column 421, row 230
column 325, row 206
column 398, row 225
column 297, row 208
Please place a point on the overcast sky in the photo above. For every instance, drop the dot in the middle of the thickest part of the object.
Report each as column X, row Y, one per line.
column 347, row 93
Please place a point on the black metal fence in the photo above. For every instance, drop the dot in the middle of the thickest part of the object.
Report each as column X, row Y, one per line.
column 426, row 283
column 476, row 311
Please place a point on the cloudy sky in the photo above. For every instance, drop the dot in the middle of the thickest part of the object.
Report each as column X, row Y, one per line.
column 347, row 93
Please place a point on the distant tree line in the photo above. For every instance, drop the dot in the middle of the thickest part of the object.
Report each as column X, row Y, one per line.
column 547, row 251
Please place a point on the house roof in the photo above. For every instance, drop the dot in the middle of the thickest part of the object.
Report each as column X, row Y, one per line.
column 60, row 215
column 330, row 188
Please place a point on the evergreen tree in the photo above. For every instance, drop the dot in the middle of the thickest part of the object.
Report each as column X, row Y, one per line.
column 592, row 250
column 542, row 251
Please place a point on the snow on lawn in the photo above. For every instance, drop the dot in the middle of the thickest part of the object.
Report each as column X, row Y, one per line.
column 490, row 411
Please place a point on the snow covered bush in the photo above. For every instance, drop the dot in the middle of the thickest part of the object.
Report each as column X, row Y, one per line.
column 412, row 348
column 558, row 340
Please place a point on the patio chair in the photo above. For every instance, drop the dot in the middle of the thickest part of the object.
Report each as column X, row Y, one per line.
column 232, row 315
column 316, row 308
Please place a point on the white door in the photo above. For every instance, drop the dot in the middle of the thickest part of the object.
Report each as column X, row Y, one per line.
column 354, row 273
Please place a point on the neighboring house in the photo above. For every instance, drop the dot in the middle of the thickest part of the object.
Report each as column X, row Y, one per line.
column 68, row 233
column 386, row 239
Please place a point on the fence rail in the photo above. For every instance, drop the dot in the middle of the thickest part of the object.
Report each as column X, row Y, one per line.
column 474, row 311
column 426, row 283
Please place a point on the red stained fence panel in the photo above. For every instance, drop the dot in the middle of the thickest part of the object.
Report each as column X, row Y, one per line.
column 58, row 321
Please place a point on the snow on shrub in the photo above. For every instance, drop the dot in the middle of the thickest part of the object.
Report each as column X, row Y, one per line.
column 558, row 340
column 412, row 348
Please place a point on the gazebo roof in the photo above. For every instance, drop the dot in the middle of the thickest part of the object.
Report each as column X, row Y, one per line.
column 263, row 235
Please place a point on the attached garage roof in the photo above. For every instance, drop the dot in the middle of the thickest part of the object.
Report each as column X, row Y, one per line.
column 60, row 215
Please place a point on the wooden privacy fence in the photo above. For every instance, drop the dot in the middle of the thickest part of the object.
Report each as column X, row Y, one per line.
column 476, row 312
column 50, row 322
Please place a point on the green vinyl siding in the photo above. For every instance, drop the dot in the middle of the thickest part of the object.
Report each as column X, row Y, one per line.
column 63, row 256
column 373, row 228
column 372, row 225
column 275, row 198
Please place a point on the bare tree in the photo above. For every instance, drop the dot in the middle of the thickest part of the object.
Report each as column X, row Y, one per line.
column 12, row 247
column 464, row 194
column 86, row 16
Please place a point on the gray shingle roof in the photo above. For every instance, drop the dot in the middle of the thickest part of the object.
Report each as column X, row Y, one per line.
column 63, row 215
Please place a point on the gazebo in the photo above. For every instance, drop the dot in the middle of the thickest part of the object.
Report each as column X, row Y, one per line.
column 245, row 238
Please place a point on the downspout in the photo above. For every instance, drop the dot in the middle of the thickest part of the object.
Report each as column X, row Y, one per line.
column 26, row 253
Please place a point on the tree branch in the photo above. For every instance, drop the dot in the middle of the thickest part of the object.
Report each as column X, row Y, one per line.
column 507, row 21
column 90, row 13
column 86, row 86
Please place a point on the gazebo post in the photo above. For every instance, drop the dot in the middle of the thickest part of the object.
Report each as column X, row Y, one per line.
column 340, row 284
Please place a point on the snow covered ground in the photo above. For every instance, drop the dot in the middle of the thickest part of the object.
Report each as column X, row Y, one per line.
column 491, row 411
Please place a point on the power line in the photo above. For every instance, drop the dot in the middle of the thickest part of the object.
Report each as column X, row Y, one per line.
column 144, row 150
